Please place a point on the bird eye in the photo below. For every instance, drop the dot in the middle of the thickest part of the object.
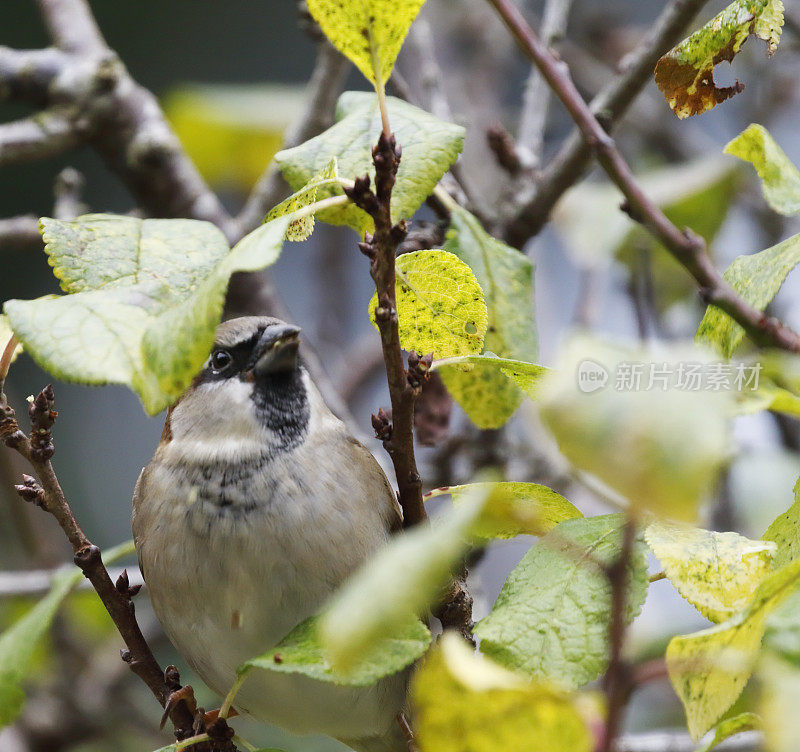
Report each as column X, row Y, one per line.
column 220, row 360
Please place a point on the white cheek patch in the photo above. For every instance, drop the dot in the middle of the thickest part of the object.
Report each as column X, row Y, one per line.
column 217, row 421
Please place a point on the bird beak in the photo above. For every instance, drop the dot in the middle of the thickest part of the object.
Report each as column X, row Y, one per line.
column 276, row 351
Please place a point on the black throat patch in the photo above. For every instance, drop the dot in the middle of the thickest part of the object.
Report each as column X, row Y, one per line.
column 282, row 406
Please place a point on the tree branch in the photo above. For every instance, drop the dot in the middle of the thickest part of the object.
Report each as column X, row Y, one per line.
column 684, row 245
column 37, row 137
column 525, row 216
column 121, row 119
column 535, row 100
column 71, row 25
column 397, row 431
column 47, row 493
column 20, row 231
column 617, row 681
column 322, row 92
column 30, row 582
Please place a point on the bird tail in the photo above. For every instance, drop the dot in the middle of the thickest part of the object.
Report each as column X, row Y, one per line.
column 394, row 741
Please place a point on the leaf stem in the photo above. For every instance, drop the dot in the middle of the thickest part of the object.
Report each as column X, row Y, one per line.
column 227, row 703
column 191, row 741
column 325, row 203
column 380, row 85
column 662, row 575
column 5, row 360
column 249, row 747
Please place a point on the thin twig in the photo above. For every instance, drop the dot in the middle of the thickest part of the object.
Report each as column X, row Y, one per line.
column 30, row 582
column 684, row 245
column 531, row 209
column 322, row 92
column 616, row 683
column 20, row 231
column 48, row 494
column 535, row 100
column 397, row 433
column 39, row 136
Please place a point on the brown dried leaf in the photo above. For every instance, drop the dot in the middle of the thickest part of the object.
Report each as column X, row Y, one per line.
column 686, row 73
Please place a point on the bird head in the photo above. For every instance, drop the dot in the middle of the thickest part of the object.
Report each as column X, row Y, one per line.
column 252, row 389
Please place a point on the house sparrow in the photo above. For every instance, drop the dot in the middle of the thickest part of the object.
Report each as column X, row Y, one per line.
column 257, row 505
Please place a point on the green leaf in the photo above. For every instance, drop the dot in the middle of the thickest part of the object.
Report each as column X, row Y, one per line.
column 151, row 321
column 429, row 146
column 301, row 652
column 506, row 277
column 5, row 337
column 376, row 604
column 527, row 376
column 661, row 447
column 301, row 229
column 369, row 32
column 757, row 278
column 440, row 305
column 465, row 703
column 716, row 572
column 108, row 251
column 18, row 642
column 784, row 531
column 686, row 73
column 513, row 508
column 709, row 669
column 552, row 616
column 768, row 396
column 729, row 727
column 780, row 179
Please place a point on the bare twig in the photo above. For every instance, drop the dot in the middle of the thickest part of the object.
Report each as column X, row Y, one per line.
column 37, row 137
column 685, row 246
column 322, row 92
column 396, row 432
column 531, row 209
column 67, row 189
column 535, row 100
column 47, row 493
column 121, row 119
column 617, row 681
column 19, row 231
column 38, row 581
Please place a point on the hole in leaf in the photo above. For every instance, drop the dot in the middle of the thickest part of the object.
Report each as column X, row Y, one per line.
column 470, row 328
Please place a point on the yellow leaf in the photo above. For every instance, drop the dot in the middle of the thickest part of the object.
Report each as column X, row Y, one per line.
column 369, row 32
column 686, row 73
column 716, row 572
column 466, row 703
column 301, row 229
column 440, row 305
column 709, row 669
column 513, row 508
column 627, row 415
